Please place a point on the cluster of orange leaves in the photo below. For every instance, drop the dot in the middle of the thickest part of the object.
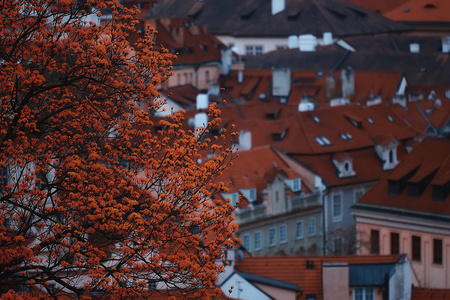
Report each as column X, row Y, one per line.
column 94, row 201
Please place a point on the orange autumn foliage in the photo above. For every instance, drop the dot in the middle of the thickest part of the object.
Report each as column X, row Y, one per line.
column 94, row 202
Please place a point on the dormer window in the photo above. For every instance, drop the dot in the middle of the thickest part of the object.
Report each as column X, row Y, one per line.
column 388, row 154
column 232, row 196
column 344, row 165
column 250, row 194
column 294, row 185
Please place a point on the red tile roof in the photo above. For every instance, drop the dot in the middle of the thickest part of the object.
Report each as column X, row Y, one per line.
column 425, row 294
column 191, row 43
column 421, row 11
column 258, row 83
column 379, row 6
column 254, row 168
column 430, row 158
column 423, row 113
column 295, row 269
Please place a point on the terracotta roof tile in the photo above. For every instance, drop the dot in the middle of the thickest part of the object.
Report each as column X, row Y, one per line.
column 421, row 11
column 428, row 164
column 305, row 271
column 426, row 293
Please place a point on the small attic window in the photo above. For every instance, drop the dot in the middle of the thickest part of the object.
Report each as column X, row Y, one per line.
column 232, row 196
column 323, row 141
column 250, row 194
column 369, row 120
column 389, row 118
column 316, row 119
column 278, row 136
column 429, row 5
column 294, row 184
column 346, row 136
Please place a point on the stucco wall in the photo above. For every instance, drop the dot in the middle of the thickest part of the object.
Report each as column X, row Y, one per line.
column 425, row 273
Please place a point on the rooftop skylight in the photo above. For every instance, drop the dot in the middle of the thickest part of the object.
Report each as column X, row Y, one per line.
column 323, row 141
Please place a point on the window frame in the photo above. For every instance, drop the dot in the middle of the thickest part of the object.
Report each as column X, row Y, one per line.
column 339, row 216
column 313, row 231
column 272, row 236
column 283, row 239
column 438, row 257
column 249, row 241
column 374, row 247
column 416, row 248
column 395, row 247
column 257, row 246
column 302, row 226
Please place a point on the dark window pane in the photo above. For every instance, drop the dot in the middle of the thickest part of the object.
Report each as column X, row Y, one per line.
column 437, row 251
column 375, row 242
column 416, row 245
column 395, row 243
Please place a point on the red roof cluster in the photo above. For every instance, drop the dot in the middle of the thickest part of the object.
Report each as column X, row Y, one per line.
column 305, row 271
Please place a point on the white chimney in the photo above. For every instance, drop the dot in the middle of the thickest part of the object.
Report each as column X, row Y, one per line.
column 307, row 42
column 348, row 82
column 201, row 122
column 292, row 41
column 245, row 140
column 202, row 101
column 281, row 82
column 327, row 38
column 305, row 105
column 446, row 44
column 277, row 6
column 414, row 48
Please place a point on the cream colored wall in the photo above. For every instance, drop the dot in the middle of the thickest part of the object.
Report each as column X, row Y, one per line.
column 268, row 43
column 335, row 281
column 200, row 83
column 425, row 272
column 277, row 293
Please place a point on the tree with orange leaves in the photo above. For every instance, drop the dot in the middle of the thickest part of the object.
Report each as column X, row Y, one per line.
column 94, row 201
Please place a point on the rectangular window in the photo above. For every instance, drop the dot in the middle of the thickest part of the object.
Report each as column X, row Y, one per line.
column 185, row 78
column 249, row 50
column 437, row 251
column 282, row 47
column 310, row 297
column 296, row 184
column 258, row 50
column 258, row 240
column 283, row 233
column 178, row 79
column 337, row 246
column 416, row 248
column 272, row 236
column 191, row 78
column 337, row 206
column 247, row 242
column 207, row 76
column 395, row 243
column 299, row 229
column 312, row 226
column 363, row 293
column 374, row 242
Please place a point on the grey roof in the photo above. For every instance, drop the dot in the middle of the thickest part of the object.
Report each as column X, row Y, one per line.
column 254, row 18
column 269, row 281
column 370, row 275
column 422, row 69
